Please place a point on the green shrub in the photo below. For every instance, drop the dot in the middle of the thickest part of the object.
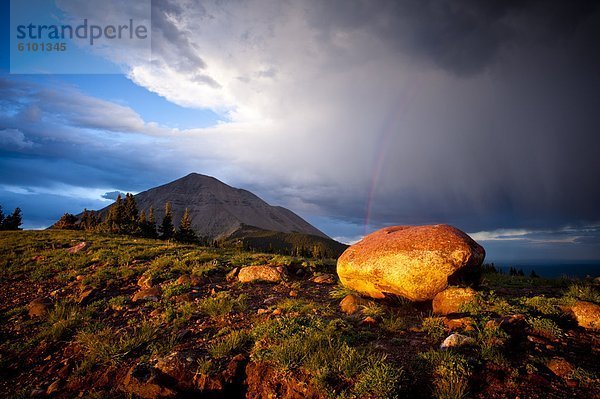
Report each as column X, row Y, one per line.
column 222, row 304
column 545, row 327
column 63, row 319
column 583, row 292
column 233, row 343
column 449, row 371
column 434, row 328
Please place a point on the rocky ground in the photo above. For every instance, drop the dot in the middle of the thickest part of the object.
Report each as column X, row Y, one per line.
column 96, row 316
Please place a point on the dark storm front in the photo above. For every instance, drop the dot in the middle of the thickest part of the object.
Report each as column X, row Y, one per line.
column 83, row 31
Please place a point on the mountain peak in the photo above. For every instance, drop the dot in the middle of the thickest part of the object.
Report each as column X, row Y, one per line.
column 218, row 210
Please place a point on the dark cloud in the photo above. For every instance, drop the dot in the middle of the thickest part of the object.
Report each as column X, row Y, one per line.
column 465, row 36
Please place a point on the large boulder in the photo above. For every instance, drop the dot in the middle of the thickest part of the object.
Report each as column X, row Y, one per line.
column 414, row 262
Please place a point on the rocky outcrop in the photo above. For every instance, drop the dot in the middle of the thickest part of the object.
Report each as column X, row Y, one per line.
column 414, row 262
column 452, row 299
column 265, row 381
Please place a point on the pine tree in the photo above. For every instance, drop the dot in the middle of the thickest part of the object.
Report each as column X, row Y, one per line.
column 167, row 231
column 12, row 222
column 67, row 221
column 151, row 224
column 185, row 233
column 130, row 215
column 1, row 217
column 115, row 218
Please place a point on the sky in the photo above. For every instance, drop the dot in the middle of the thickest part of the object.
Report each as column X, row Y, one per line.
column 354, row 114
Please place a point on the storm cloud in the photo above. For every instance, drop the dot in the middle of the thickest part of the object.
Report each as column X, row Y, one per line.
column 355, row 114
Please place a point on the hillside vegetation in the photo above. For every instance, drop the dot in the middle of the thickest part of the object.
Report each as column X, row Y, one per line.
column 97, row 315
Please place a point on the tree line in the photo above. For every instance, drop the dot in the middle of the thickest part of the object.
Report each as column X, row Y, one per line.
column 123, row 217
column 12, row 221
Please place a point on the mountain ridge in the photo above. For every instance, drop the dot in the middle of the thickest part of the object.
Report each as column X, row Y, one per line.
column 218, row 210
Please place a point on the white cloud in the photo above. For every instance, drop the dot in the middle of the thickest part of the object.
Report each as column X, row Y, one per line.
column 14, row 138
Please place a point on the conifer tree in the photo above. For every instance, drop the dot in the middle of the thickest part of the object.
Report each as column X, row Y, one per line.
column 151, row 224
column 14, row 221
column 1, row 217
column 130, row 215
column 185, row 233
column 115, row 217
column 68, row 221
column 167, row 231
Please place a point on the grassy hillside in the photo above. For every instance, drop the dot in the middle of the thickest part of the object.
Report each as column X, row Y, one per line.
column 72, row 324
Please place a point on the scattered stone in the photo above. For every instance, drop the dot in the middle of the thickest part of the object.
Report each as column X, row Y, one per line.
column 276, row 312
column 145, row 282
column 414, row 262
column 79, row 277
column 77, row 248
column 452, row 299
column 293, row 293
column 515, row 325
column 183, row 279
column 587, row 315
column 250, row 274
column 352, row 304
column 149, row 294
column 262, row 311
column 231, row 276
column 456, row 340
column 147, row 382
column 195, row 281
column 85, row 296
column 181, row 367
column 559, row 366
column 461, row 323
column 368, row 321
column 324, row 279
column 38, row 307
column 53, row 388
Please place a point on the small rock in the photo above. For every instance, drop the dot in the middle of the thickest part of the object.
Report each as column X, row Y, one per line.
column 150, row 294
column 293, row 293
column 460, row 323
column 147, row 382
column 232, row 274
column 38, row 307
column 77, row 248
column 515, row 325
column 79, row 277
column 452, row 299
column 52, row 388
column 324, row 279
column 259, row 273
column 587, row 315
column 262, row 311
column 559, row 366
column 457, row 340
column 352, row 304
column 85, row 296
column 195, row 281
column 182, row 280
column 276, row 312
column 145, row 282
column 368, row 321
